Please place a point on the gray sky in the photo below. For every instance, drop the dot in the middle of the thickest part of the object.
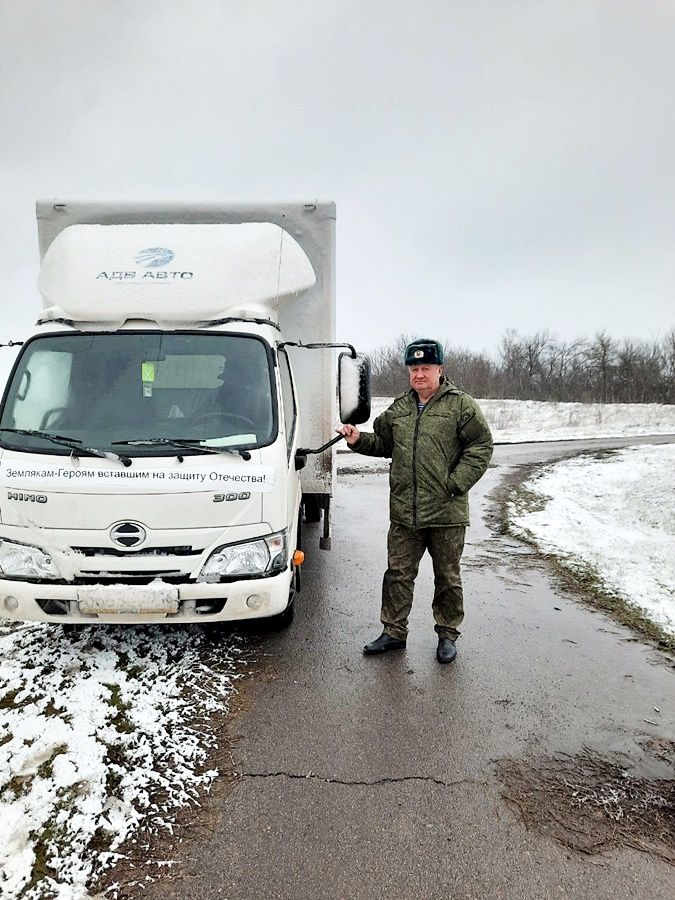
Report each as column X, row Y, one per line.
column 496, row 163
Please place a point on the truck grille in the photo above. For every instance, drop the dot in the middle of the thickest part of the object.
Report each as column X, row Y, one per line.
column 152, row 551
column 172, row 576
column 50, row 607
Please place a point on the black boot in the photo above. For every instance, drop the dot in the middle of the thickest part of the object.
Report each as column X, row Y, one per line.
column 446, row 650
column 383, row 644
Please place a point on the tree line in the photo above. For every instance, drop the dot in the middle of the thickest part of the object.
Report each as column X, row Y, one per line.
column 543, row 367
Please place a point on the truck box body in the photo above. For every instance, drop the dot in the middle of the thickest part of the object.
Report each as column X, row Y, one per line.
column 148, row 312
column 309, row 317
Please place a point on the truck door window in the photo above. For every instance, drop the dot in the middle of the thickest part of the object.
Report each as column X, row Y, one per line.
column 43, row 387
column 288, row 399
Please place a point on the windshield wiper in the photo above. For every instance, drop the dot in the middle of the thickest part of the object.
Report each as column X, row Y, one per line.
column 185, row 443
column 74, row 444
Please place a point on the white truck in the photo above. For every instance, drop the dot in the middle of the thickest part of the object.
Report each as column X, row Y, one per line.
column 159, row 430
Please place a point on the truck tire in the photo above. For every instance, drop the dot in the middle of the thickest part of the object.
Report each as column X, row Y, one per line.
column 282, row 620
column 312, row 507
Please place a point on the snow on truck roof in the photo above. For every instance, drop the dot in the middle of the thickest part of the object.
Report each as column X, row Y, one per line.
column 171, row 273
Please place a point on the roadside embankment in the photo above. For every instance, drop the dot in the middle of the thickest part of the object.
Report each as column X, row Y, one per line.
column 608, row 518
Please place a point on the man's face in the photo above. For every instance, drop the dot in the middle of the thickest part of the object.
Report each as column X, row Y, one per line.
column 425, row 379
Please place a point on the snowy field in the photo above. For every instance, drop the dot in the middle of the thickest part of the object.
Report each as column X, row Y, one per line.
column 518, row 421
column 103, row 736
column 614, row 513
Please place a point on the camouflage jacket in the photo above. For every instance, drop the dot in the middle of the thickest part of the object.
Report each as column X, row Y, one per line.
column 437, row 455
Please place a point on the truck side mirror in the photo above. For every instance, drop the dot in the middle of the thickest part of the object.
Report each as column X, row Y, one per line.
column 354, row 388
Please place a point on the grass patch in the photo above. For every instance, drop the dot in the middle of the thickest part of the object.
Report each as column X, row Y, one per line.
column 9, row 701
column 100, row 840
column 123, row 663
column 116, row 764
column 50, row 836
column 46, row 768
column 51, row 710
column 19, row 784
column 120, row 720
column 113, row 780
column 527, row 501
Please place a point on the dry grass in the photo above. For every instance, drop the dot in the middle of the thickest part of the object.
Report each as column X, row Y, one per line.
column 591, row 804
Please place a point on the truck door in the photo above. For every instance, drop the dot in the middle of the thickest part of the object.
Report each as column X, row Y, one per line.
column 290, row 417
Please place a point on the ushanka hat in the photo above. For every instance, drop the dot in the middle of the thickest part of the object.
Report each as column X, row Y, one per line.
column 424, row 352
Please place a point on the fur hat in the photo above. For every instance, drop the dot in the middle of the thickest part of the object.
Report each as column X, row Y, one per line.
column 424, row 352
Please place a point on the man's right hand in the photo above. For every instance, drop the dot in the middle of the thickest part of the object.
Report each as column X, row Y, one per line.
column 350, row 433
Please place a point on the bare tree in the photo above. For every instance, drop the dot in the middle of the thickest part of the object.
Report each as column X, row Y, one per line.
column 668, row 349
column 602, row 354
column 542, row 367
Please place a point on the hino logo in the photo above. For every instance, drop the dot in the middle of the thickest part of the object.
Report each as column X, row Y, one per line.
column 153, row 257
column 127, row 534
column 32, row 498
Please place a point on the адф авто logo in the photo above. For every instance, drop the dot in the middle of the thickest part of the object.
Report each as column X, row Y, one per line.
column 154, row 257
column 154, row 260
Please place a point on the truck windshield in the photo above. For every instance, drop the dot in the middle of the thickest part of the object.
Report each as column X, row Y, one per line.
column 104, row 389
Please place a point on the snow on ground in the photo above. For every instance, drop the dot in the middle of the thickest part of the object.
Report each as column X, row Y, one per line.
column 517, row 421
column 101, row 734
column 615, row 513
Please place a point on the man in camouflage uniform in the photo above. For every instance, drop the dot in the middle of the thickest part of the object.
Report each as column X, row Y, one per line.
column 440, row 445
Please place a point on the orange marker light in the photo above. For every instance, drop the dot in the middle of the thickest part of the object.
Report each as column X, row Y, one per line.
column 298, row 558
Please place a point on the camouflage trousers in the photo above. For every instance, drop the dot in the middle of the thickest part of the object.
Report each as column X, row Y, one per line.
column 405, row 550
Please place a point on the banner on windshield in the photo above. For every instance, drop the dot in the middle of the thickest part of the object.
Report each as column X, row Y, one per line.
column 82, row 477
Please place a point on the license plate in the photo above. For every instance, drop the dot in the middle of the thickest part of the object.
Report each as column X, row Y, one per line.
column 118, row 599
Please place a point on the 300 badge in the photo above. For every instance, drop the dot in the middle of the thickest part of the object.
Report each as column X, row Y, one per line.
column 219, row 498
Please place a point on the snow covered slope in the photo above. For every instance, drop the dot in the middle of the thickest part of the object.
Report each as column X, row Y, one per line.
column 614, row 513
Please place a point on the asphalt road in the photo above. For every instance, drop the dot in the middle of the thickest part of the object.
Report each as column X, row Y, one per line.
column 375, row 777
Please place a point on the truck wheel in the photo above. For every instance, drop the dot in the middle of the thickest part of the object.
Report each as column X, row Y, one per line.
column 312, row 508
column 282, row 620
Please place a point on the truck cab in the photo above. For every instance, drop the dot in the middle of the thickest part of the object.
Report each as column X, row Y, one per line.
column 157, row 430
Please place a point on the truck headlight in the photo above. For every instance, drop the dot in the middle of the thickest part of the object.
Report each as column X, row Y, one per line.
column 24, row 561
column 260, row 557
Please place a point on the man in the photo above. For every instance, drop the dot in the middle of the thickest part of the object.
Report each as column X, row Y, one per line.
column 440, row 445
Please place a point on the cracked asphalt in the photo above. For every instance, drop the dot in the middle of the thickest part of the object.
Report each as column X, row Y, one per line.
column 363, row 777
column 369, row 783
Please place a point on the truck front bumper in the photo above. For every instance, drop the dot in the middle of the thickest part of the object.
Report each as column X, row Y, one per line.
column 254, row 598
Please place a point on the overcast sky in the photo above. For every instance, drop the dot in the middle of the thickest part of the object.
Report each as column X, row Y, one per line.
column 495, row 163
